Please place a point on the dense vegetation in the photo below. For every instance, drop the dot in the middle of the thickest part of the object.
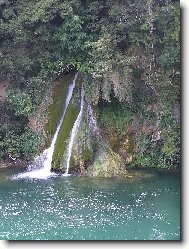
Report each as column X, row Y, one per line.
column 128, row 53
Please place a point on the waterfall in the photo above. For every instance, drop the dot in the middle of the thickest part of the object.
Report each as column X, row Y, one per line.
column 41, row 168
column 92, row 121
column 94, row 128
column 73, row 134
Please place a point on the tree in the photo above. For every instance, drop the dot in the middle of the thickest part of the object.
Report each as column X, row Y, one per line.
column 125, row 50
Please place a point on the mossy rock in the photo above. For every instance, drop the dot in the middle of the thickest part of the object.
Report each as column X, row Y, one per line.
column 124, row 145
column 72, row 164
column 63, row 136
column 56, row 108
column 82, row 152
column 86, row 155
column 107, row 164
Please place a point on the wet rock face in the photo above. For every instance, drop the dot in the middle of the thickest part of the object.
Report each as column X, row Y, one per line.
column 124, row 145
column 107, row 164
column 91, row 154
column 103, row 151
column 85, row 145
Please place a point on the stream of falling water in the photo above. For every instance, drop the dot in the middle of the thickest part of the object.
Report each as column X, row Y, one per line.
column 41, row 168
column 73, row 135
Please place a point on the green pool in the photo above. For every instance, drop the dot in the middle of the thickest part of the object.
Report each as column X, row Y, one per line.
column 83, row 208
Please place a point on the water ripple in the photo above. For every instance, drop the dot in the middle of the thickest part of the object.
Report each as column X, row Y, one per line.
column 50, row 211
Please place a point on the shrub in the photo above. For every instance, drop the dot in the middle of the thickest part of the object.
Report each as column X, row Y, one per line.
column 19, row 102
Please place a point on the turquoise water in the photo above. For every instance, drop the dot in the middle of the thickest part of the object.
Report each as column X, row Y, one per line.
column 83, row 208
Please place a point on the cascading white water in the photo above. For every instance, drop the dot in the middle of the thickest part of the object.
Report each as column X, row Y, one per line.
column 92, row 120
column 73, row 134
column 41, row 168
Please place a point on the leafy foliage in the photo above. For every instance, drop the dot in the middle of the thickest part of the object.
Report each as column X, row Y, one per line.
column 19, row 102
column 125, row 49
column 115, row 117
column 101, row 39
column 16, row 143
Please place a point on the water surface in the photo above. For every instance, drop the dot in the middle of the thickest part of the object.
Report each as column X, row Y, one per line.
column 84, row 208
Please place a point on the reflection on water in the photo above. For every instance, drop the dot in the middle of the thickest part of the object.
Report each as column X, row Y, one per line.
column 83, row 208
